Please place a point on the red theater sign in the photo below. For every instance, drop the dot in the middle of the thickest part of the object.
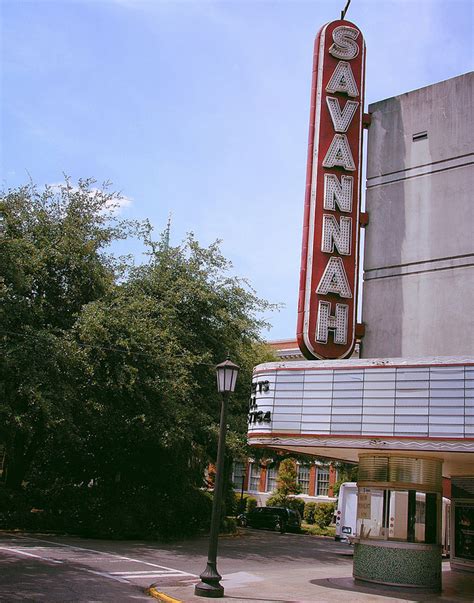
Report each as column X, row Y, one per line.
column 328, row 280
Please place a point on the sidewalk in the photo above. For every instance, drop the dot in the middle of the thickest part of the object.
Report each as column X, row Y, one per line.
column 319, row 587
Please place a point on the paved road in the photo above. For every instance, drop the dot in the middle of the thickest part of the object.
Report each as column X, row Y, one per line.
column 257, row 566
column 58, row 569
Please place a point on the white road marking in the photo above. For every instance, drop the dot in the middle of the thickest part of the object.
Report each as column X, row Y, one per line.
column 161, row 571
column 151, row 575
column 20, row 552
column 80, row 548
column 145, row 574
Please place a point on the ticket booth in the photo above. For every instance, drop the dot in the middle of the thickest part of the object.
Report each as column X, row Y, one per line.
column 399, row 521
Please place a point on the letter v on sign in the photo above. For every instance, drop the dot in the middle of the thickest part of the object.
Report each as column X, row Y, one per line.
column 341, row 119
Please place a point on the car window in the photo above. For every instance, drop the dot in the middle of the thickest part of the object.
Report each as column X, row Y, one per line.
column 275, row 511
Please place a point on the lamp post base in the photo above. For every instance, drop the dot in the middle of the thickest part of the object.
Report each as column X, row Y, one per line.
column 209, row 585
column 213, row 591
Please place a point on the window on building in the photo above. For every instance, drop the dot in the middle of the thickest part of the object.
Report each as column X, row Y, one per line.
column 254, row 481
column 322, row 481
column 238, row 475
column 272, row 478
column 303, row 478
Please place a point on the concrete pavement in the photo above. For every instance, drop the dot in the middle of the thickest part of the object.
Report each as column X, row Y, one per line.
column 319, row 585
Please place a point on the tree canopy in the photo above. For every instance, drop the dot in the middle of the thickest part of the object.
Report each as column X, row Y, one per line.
column 107, row 368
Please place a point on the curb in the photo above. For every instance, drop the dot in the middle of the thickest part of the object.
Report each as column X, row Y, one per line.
column 161, row 596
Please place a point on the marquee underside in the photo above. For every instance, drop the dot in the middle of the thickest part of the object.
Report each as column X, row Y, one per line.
column 455, row 463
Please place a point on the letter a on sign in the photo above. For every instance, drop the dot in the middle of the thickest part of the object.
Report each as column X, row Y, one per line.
column 327, row 304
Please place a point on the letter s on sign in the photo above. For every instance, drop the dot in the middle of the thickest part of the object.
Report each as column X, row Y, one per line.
column 344, row 46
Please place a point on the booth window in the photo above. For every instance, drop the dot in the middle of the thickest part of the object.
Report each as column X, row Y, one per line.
column 403, row 515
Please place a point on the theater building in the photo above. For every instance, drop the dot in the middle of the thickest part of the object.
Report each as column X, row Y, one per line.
column 404, row 410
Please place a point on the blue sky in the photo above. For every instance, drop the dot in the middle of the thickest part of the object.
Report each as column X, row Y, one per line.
column 201, row 108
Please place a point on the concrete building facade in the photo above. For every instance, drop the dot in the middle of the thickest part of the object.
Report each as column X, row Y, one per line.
column 419, row 245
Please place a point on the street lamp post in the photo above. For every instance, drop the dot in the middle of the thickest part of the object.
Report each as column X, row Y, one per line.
column 210, row 578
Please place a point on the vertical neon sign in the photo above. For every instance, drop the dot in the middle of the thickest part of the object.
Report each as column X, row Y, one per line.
column 327, row 302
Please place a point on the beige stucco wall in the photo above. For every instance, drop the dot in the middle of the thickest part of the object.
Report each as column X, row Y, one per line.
column 418, row 287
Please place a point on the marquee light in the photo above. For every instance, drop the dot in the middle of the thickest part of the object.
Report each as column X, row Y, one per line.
column 329, row 260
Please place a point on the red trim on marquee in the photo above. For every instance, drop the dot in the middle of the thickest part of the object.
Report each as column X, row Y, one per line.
column 365, row 437
column 315, row 367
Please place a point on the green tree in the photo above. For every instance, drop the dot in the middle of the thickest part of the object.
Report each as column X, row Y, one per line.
column 347, row 472
column 287, row 482
column 53, row 262
column 287, row 485
column 151, row 348
column 111, row 410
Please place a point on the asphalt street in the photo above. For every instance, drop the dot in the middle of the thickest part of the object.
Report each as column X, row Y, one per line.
column 256, row 566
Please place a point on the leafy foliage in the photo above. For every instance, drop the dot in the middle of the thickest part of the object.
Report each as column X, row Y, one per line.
column 308, row 514
column 52, row 247
column 323, row 514
column 108, row 369
column 287, row 486
column 347, row 472
column 287, row 482
column 251, row 504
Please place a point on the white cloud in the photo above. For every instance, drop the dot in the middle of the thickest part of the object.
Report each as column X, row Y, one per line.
column 118, row 202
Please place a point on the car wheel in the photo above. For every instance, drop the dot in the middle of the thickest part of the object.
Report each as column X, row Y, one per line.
column 243, row 522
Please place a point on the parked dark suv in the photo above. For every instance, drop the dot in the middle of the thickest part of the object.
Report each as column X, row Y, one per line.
column 272, row 518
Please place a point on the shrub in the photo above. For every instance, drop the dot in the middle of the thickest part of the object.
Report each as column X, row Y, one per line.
column 277, row 500
column 228, row 525
column 251, row 504
column 309, row 510
column 15, row 509
column 241, row 504
column 323, row 514
column 287, row 482
column 97, row 511
column 297, row 504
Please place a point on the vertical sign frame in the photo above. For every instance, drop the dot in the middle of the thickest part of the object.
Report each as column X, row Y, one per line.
column 327, row 303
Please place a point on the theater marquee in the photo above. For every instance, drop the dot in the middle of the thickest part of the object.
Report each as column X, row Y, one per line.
column 329, row 261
